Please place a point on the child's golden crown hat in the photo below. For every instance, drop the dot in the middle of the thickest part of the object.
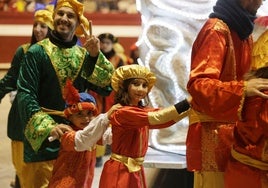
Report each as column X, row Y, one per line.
column 132, row 71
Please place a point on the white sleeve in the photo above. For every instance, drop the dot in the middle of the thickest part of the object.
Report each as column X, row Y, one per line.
column 107, row 136
column 86, row 138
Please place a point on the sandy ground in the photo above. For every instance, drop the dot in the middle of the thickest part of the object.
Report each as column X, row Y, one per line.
column 6, row 167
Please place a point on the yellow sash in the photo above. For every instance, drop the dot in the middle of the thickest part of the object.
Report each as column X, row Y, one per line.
column 133, row 164
column 195, row 116
column 249, row 161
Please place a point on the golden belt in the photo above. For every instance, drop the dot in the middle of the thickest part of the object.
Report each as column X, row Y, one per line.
column 195, row 116
column 249, row 161
column 133, row 164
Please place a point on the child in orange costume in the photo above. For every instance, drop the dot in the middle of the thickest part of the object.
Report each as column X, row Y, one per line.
column 131, row 124
column 75, row 164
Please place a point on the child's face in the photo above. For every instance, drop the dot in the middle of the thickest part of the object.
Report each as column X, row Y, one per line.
column 137, row 90
column 106, row 45
column 81, row 119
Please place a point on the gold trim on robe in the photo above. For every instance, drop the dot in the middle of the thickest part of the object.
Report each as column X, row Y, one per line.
column 245, row 159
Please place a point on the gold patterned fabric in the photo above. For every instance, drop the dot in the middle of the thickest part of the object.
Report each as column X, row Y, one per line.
column 67, row 62
column 39, row 128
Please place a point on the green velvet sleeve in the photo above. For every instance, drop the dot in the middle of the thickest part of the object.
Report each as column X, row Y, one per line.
column 102, row 73
column 37, row 124
column 9, row 81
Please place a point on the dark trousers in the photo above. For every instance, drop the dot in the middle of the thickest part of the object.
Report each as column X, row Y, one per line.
column 174, row 178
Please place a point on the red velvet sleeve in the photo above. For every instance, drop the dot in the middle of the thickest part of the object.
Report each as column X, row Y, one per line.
column 214, row 94
column 130, row 117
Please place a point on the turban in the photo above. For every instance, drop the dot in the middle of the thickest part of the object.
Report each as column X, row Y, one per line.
column 45, row 16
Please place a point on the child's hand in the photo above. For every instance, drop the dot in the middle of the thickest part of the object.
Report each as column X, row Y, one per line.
column 112, row 109
column 58, row 131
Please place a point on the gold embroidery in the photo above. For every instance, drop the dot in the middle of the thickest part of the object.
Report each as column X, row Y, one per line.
column 230, row 61
column 209, row 142
column 242, row 102
column 38, row 129
column 67, row 62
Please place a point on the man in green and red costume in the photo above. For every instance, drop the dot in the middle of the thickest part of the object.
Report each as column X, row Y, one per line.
column 47, row 66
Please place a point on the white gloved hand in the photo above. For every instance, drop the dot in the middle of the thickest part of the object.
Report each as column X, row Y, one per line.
column 107, row 136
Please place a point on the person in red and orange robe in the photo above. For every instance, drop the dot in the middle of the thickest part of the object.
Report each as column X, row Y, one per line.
column 221, row 55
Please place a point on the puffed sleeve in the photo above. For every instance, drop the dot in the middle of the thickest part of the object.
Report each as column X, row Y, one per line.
column 88, row 137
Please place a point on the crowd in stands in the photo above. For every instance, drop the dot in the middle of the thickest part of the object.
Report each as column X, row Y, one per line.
column 91, row 6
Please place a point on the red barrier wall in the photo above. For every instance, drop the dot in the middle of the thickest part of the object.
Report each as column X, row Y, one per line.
column 9, row 44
